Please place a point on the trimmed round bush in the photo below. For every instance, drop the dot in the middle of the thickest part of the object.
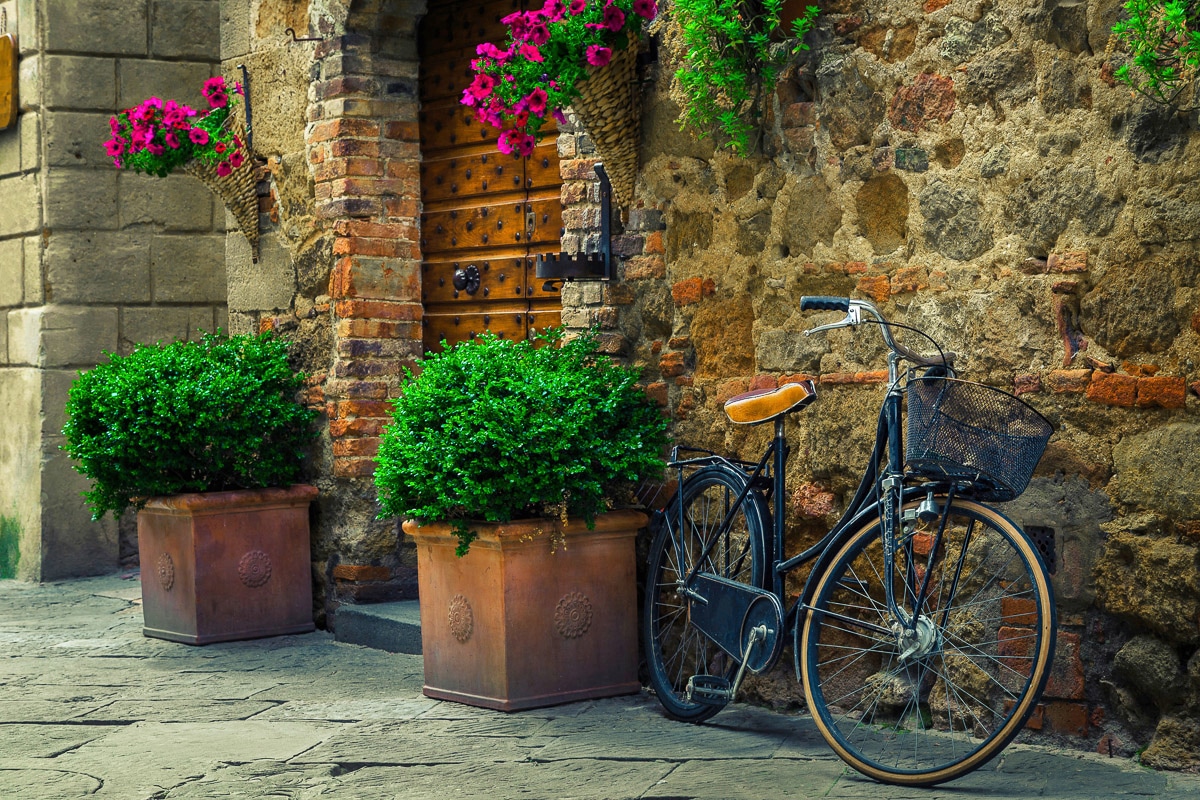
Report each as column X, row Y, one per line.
column 205, row 416
column 497, row 430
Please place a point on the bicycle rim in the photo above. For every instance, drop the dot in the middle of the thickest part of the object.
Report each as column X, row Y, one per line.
column 675, row 649
column 983, row 647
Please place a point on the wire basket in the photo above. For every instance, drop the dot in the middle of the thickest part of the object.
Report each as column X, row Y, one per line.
column 968, row 432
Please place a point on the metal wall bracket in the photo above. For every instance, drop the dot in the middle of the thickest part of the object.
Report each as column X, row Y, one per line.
column 558, row 268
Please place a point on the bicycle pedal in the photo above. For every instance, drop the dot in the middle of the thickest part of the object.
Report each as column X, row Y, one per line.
column 711, row 690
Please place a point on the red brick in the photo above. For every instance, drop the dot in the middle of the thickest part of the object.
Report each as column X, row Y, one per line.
column 909, row 279
column 364, row 408
column 1018, row 611
column 692, row 290
column 813, row 500
column 1025, row 384
column 363, row 426
column 360, row 390
column 1073, row 261
column 1037, row 720
column 685, row 380
column 367, row 368
column 1068, row 718
column 1195, row 387
column 643, row 267
column 334, row 207
column 763, row 382
column 679, row 343
column 338, row 128
column 654, row 243
column 376, row 230
column 844, row 378
column 407, row 131
column 1161, row 391
column 405, row 170
column 361, row 572
column 657, row 392
column 1066, row 674
column 377, row 309
column 354, row 148
column 356, row 447
column 353, row 467
column 335, row 168
column 375, row 278
column 1064, row 287
column 1112, row 389
column 876, row 287
column 731, row 388
column 580, row 169
column 377, row 329
column 402, row 207
column 671, row 364
column 930, row 97
column 1068, row 381
column 797, row 115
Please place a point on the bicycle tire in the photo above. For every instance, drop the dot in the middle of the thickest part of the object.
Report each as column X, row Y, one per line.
column 955, row 703
column 675, row 649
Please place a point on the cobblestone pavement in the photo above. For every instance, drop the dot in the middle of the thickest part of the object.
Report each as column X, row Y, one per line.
column 91, row 708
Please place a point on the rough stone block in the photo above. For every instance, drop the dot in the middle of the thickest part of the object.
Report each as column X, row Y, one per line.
column 266, row 286
column 177, row 203
column 31, row 141
column 72, row 545
column 10, row 150
column 55, row 385
column 77, row 336
column 176, row 80
column 19, row 211
column 80, row 82
column 185, row 29
column 100, row 266
column 1112, row 389
column 95, row 26
column 189, row 269
column 34, row 289
column 1068, row 381
column 25, row 336
column 29, row 82
column 12, row 281
column 76, row 139
column 235, row 29
column 81, row 199
column 4, row 344
column 26, row 25
column 163, row 325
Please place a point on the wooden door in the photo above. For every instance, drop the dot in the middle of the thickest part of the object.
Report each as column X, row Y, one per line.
column 486, row 214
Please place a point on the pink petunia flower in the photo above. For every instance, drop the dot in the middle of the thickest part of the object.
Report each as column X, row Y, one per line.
column 219, row 148
column 526, row 145
column 645, row 9
column 172, row 140
column 577, row 7
column 114, row 147
column 553, row 10
column 530, row 53
column 155, row 149
column 614, row 18
column 236, row 159
column 536, row 101
column 218, row 99
column 539, row 34
column 114, row 125
column 224, row 169
column 560, row 117
column 598, row 55
column 198, row 136
column 482, row 87
column 213, row 84
column 507, row 141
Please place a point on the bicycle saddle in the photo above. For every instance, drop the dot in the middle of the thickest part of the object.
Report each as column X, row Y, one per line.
column 763, row 405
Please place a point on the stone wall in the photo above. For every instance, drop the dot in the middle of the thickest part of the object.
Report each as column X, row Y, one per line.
column 975, row 170
column 92, row 260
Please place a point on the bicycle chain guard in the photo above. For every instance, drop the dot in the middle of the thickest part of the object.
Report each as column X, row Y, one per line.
column 727, row 611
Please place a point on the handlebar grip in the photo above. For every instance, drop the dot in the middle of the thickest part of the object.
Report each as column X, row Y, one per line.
column 810, row 302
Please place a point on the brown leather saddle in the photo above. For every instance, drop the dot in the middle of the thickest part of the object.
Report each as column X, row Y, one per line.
column 764, row 405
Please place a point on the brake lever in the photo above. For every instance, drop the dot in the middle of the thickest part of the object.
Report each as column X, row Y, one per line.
column 852, row 318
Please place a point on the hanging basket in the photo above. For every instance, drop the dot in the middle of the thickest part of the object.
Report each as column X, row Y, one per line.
column 609, row 109
column 237, row 190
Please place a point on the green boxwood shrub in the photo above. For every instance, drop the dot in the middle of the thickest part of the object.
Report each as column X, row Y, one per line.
column 212, row 415
column 495, row 430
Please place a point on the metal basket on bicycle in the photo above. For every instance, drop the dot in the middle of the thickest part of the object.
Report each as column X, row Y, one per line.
column 968, row 432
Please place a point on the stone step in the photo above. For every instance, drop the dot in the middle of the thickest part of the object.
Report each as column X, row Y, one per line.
column 394, row 627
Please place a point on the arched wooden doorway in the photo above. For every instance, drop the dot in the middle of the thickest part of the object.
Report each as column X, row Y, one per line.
column 486, row 214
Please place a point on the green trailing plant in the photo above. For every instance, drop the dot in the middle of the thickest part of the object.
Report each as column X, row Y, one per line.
column 10, row 545
column 211, row 415
column 731, row 61
column 1163, row 39
column 495, row 430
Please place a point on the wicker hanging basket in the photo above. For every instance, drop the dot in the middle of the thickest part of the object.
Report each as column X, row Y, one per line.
column 237, row 189
column 609, row 109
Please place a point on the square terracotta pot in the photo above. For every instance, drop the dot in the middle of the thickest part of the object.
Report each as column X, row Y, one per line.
column 515, row 624
column 220, row 566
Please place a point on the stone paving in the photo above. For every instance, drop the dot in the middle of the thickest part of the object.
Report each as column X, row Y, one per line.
column 91, row 708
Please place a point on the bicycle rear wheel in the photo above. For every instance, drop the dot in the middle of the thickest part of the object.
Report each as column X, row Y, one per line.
column 675, row 649
column 934, row 706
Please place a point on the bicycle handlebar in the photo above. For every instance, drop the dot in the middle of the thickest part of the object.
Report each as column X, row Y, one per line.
column 854, row 309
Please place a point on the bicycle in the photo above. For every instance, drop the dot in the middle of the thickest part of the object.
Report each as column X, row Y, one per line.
column 925, row 630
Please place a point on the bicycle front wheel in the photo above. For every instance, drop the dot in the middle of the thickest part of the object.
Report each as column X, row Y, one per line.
column 676, row 650
column 923, row 706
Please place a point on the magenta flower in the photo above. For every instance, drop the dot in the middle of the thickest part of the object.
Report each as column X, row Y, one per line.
column 114, row 125
column 645, row 9
column 614, row 18
column 155, row 149
column 577, row 7
column 530, row 53
column 598, row 55
column 560, row 117
column 172, row 140
column 526, row 144
column 236, row 160
column 536, row 101
column 224, row 169
column 218, row 100
column 553, row 10
column 539, row 34
column 507, row 141
column 114, row 147
column 213, row 84
column 198, row 136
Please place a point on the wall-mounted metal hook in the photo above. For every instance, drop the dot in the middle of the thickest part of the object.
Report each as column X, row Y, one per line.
column 246, row 103
column 296, row 38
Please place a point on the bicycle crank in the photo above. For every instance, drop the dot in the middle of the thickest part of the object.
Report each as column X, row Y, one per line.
column 728, row 612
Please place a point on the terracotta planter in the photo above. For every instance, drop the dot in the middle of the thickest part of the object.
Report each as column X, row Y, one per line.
column 514, row 625
column 220, row 566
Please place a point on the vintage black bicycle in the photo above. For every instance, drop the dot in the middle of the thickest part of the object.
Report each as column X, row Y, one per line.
column 925, row 630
